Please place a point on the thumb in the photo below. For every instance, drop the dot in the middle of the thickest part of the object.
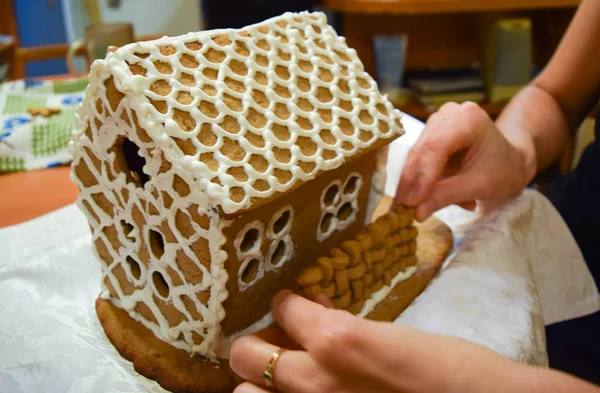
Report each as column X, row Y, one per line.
column 459, row 189
column 324, row 301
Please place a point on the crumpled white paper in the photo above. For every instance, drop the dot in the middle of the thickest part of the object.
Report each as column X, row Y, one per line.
column 511, row 271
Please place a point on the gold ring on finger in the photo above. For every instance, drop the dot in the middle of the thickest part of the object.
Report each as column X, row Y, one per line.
column 269, row 373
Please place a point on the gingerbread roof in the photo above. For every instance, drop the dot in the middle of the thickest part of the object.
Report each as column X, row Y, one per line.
column 253, row 113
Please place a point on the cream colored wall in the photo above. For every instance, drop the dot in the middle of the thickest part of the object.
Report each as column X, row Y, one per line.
column 168, row 17
column 584, row 136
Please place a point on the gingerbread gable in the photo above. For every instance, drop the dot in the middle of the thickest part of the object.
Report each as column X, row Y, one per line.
column 176, row 137
column 253, row 113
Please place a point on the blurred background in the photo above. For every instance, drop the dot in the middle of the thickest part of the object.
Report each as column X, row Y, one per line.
column 423, row 53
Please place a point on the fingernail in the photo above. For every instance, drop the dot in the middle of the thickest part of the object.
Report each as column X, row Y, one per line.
column 324, row 301
column 412, row 194
column 246, row 388
column 395, row 203
column 424, row 211
column 471, row 205
column 400, row 192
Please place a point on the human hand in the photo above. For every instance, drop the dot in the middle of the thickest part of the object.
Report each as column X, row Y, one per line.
column 461, row 157
column 333, row 351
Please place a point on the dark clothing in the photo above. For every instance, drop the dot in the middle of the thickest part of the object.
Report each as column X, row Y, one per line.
column 220, row 14
column 574, row 346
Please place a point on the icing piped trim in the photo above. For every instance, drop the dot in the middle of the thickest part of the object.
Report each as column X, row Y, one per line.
column 335, row 69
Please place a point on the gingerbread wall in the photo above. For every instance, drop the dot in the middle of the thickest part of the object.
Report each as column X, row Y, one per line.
column 244, row 307
column 149, row 234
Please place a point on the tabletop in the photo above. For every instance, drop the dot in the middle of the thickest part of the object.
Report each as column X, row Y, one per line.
column 26, row 195
column 29, row 194
column 513, row 270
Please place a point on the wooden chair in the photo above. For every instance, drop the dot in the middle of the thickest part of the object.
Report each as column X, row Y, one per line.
column 18, row 57
column 22, row 56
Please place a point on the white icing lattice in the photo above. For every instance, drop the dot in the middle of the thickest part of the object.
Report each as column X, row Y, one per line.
column 339, row 205
column 250, row 113
column 112, row 198
column 219, row 121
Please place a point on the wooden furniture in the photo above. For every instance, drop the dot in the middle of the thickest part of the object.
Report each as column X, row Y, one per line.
column 446, row 33
column 422, row 112
column 18, row 57
column 22, row 56
column 6, row 47
column 415, row 7
column 8, row 27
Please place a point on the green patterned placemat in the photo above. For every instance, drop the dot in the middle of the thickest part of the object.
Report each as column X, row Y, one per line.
column 19, row 103
column 52, row 136
column 32, row 142
column 12, row 164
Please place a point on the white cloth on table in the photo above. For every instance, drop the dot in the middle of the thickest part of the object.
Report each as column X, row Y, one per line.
column 513, row 271
column 510, row 272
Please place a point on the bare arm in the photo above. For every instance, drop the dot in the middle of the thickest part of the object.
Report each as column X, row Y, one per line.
column 464, row 156
column 334, row 351
column 557, row 100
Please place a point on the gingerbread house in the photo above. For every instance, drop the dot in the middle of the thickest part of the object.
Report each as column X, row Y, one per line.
column 219, row 167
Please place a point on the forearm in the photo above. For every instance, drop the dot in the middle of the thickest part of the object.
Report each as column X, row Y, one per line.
column 535, row 123
column 538, row 120
column 474, row 369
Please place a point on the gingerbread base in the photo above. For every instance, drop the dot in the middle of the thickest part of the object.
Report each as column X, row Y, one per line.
column 172, row 368
column 176, row 371
column 434, row 243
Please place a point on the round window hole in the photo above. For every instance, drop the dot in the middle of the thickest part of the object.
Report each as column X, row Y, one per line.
column 279, row 254
column 160, row 284
column 345, row 211
column 281, row 222
column 326, row 222
column 157, row 244
column 134, row 267
column 249, row 240
column 250, row 272
column 135, row 163
column 351, row 185
column 331, row 195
